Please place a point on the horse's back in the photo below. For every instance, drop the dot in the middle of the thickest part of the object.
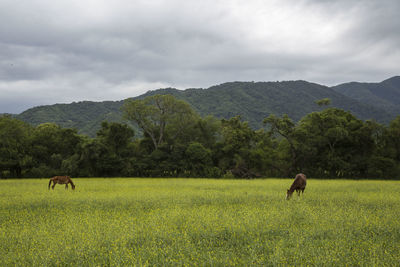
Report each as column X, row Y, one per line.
column 300, row 181
column 301, row 176
column 61, row 179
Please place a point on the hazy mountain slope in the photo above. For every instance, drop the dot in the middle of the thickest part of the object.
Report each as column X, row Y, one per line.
column 385, row 95
column 253, row 101
column 85, row 116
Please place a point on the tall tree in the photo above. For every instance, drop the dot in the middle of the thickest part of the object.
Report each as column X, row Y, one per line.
column 51, row 145
column 334, row 143
column 394, row 135
column 114, row 140
column 234, row 149
column 198, row 160
column 159, row 116
column 285, row 127
column 115, row 136
column 14, row 146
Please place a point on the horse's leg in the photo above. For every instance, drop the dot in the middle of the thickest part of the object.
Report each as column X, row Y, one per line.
column 66, row 186
column 54, row 184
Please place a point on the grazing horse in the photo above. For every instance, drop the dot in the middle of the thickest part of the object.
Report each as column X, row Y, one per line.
column 61, row 180
column 299, row 184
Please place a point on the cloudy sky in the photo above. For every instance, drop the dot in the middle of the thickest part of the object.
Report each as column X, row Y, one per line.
column 74, row 50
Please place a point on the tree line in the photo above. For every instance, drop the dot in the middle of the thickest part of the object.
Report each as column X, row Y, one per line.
column 175, row 141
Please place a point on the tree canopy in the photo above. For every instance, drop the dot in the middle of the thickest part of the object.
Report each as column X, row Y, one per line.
column 176, row 142
column 160, row 116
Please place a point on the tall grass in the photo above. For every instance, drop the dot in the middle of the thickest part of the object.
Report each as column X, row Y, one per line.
column 199, row 222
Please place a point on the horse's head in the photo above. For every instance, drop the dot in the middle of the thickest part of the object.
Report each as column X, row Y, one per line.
column 288, row 194
column 73, row 186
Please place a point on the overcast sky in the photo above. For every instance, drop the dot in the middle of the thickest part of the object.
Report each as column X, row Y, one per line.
column 74, row 50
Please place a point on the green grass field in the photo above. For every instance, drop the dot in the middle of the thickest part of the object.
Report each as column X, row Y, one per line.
column 199, row 222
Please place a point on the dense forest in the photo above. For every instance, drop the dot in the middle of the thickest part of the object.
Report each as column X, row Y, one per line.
column 175, row 141
column 253, row 101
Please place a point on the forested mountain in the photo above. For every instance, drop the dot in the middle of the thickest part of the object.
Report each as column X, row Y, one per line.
column 384, row 95
column 254, row 101
column 86, row 116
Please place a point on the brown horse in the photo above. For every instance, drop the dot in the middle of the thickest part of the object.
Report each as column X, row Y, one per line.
column 299, row 184
column 61, row 180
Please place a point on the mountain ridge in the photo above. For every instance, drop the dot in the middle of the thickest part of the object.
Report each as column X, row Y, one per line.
column 253, row 101
column 385, row 94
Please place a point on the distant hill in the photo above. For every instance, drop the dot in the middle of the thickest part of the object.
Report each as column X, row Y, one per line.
column 384, row 95
column 252, row 100
column 255, row 101
column 85, row 116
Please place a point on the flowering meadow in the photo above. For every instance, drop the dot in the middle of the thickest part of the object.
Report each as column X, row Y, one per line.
column 204, row 222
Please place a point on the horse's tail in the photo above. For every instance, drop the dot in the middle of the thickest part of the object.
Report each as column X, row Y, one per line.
column 51, row 179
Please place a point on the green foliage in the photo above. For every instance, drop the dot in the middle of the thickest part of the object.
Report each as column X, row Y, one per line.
column 323, row 102
column 394, row 140
column 198, row 160
column 199, row 222
column 333, row 143
column 177, row 142
column 234, row 149
column 14, row 140
column 160, row 116
column 115, row 136
column 285, row 128
column 50, row 146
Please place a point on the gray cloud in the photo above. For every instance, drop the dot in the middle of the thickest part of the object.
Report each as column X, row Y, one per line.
column 64, row 51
